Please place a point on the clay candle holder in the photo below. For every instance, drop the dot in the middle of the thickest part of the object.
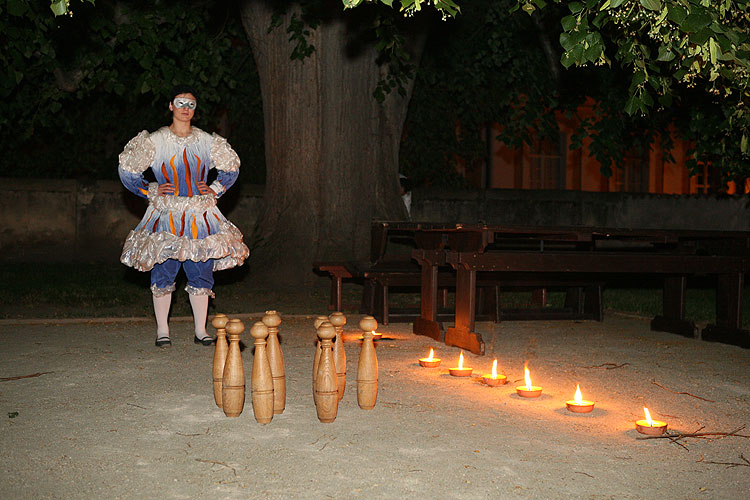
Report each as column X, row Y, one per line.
column 650, row 427
column 493, row 379
column 460, row 371
column 429, row 361
column 528, row 390
column 578, row 404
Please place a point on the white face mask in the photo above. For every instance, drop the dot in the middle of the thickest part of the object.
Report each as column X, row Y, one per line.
column 184, row 102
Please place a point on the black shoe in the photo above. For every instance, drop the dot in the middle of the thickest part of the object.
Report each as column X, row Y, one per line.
column 163, row 342
column 207, row 341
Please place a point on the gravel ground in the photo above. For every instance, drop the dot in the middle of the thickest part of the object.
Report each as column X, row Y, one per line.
column 102, row 413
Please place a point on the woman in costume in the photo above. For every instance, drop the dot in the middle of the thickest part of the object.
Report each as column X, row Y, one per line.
column 182, row 226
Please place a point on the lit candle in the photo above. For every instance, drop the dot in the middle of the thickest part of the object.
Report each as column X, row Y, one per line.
column 429, row 361
column 493, row 380
column 578, row 404
column 650, row 427
column 528, row 390
column 460, row 371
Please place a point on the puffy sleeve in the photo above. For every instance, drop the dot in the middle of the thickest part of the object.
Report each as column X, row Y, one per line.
column 137, row 156
column 226, row 162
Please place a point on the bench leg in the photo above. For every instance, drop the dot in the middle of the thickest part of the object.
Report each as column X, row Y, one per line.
column 592, row 304
column 427, row 323
column 384, row 298
column 336, row 286
column 673, row 309
column 463, row 335
column 539, row 297
column 574, row 299
column 728, row 327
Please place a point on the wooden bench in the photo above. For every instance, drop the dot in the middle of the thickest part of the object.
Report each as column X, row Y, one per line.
column 385, row 271
column 340, row 271
column 583, row 299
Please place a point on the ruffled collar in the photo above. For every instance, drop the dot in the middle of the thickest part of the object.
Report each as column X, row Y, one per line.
column 193, row 137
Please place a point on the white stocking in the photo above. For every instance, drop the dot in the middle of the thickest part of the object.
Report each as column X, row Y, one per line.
column 161, row 310
column 199, row 303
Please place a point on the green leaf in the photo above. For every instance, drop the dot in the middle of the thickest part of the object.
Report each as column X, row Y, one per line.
column 651, row 4
column 701, row 37
column 616, row 3
column 665, row 54
column 676, row 13
column 575, row 7
column 638, row 78
column 713, row 49
column 566, row 60
column 59, row 7
column 567, row 42
column 568, row 22
column 695, row 21
column 632, row 105
column 743, row 143
column 593, row 52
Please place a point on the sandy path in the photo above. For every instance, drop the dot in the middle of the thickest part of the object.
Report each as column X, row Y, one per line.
column 118, row 418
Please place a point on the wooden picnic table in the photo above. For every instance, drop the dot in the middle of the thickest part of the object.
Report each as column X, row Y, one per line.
column 553, row 253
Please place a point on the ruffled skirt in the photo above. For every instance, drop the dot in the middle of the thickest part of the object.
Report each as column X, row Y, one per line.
column 184, row 228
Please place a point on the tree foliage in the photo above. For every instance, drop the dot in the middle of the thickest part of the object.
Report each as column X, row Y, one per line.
column 670, row 49
column 78, row 86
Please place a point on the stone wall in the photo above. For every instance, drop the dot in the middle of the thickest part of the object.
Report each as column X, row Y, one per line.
column 64, row 220
column 580, row 208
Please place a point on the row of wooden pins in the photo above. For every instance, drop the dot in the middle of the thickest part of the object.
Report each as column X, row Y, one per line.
column 268, row 379
column 329, row 366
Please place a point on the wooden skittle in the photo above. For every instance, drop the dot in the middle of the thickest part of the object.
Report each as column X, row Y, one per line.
column 316, row 359
column 233, row 378
column 261, row 380
column 272, row 320
column 326, row 387
column 338, row 320
column 220, row 354
column 367, row 368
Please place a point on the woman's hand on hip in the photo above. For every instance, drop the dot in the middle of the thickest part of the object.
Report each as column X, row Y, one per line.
column 204, row 189
column 165, row 189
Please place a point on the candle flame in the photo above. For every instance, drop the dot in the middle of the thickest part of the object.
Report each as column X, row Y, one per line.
column 578, row 398
column 494, row 369
column 648, row 417
column 429, row 358
column 527, row 378
column 461, row 361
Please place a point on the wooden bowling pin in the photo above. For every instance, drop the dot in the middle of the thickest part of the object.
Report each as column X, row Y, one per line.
column 233, row 378
column 326, row 386
column 338, row 320
column 220, row 354
column 261, row 380
column 272, row 320
column 367, row 373
column 316, row 359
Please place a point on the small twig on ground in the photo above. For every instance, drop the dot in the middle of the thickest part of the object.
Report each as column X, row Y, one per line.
column 701, row 435
column 585, row 474
column 745, row 462
column 608, row 366
column 217, row 463
column 141, row 407
column 6, row 379
column 680, row 392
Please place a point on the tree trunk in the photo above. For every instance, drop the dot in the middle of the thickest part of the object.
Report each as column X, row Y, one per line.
column 331, row 148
